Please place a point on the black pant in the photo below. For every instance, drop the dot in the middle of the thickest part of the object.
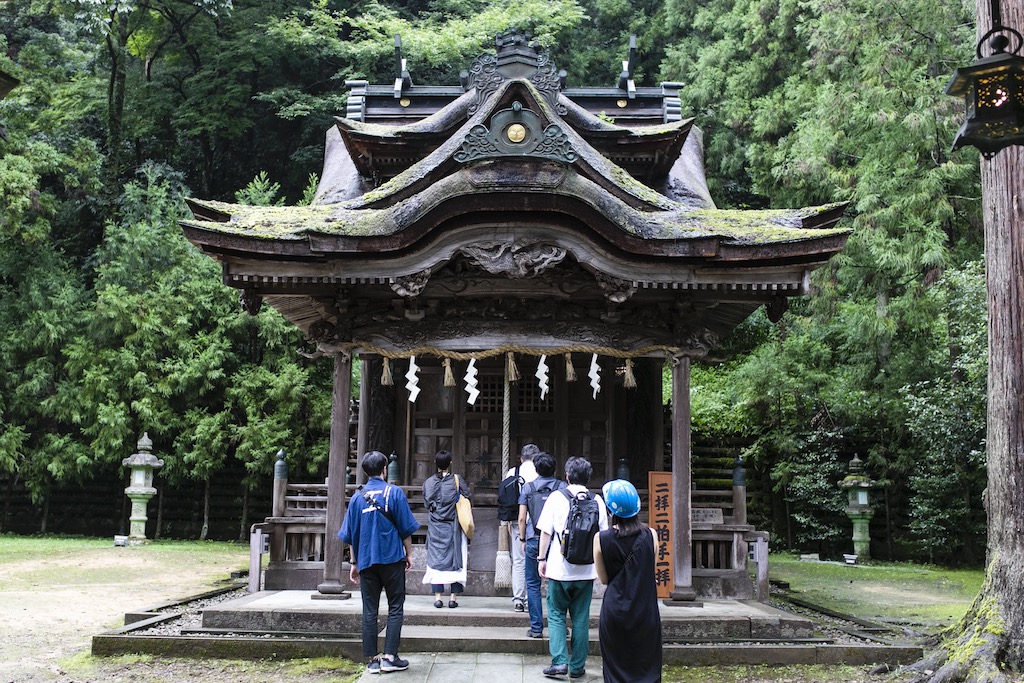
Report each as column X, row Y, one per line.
column 457, row 588
column 390, row 577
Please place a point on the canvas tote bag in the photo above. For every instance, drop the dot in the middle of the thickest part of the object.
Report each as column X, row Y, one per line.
column 465, row 511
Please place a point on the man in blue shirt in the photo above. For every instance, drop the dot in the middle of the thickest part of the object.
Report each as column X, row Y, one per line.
column 378, row 528
column 531, row 502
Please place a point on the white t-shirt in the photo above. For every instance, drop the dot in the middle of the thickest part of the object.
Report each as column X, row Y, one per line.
column 526, row 470
column 553, row 519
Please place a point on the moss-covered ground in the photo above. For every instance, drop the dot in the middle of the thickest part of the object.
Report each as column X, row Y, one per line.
column 922, row 598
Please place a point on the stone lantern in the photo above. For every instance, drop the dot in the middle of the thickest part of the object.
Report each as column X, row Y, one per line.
column 858, row 509
column 140, row 487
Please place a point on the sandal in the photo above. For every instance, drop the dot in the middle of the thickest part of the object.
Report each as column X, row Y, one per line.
column 452, row 604
column 438, row 604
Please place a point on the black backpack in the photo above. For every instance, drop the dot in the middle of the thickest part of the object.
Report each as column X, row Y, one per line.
column 535, row 501
column 580, row 528
column 508, row 497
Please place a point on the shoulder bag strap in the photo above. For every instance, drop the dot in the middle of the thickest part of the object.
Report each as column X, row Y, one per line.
column 370, row 502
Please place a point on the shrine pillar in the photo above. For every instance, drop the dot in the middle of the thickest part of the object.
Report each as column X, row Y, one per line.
column 334, row 583
column 683, row 592
column 363, row 427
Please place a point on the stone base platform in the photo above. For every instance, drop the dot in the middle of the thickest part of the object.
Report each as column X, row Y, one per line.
column 292, row 624
column 478, row 621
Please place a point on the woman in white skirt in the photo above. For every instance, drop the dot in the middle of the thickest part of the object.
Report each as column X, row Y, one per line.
column 447, row 547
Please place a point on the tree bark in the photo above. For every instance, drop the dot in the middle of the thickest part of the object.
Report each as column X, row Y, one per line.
column 243, row 530
column 159, row 515
column 116, row 94
column 206, row 511
column 988, row 643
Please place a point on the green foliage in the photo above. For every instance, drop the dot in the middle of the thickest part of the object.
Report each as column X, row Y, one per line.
column 159, row 346
column 111, row 324
column 947, row 416
column 260, row 192
column 806, row 470
column 812, row 102
column 309, row 193
column 437, row 40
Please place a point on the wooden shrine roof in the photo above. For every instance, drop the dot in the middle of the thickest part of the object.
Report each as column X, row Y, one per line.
column 514, row 191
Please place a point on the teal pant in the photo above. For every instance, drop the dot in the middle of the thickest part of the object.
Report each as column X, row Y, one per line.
column 572, row 597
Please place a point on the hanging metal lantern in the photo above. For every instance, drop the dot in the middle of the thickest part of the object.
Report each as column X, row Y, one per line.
column 993, row 90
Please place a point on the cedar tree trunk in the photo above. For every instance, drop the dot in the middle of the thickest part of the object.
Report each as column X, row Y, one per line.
column 988, row 643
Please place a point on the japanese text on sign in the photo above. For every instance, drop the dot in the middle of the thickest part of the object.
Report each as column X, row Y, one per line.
column 660, row 519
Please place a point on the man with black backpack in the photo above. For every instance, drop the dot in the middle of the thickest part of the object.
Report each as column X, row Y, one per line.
column 508, row 511
column 567, row 524
column 531, row 502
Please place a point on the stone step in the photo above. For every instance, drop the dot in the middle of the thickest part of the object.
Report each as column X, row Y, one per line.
column 295, row 611
column 477, row 639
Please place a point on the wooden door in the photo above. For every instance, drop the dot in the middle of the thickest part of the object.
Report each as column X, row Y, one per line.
column 568, row 421
column 432, row 421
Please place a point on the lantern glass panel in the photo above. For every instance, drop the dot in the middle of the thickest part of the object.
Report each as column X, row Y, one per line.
column 862, row 497
column 997, row 105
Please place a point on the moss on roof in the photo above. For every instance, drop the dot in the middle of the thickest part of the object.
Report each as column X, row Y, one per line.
column 771, row 226
column 593, row 180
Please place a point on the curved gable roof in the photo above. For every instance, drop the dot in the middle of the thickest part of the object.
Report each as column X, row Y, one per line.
column 515, row 172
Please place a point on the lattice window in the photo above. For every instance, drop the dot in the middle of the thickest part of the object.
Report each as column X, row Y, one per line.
column 529, row 397
column 491, row 388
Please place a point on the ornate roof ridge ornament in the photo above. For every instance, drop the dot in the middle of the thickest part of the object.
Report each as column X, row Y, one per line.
column 516, row 132
column 516, row 56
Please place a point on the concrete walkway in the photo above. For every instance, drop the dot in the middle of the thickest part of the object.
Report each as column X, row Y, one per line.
column 471, row 667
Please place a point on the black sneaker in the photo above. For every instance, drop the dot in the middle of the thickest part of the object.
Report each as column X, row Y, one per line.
column 519, row 607
column 396, row 663
column 556, row 671
column 578, row 674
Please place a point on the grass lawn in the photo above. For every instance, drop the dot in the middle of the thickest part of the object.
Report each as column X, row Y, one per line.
column 921, row 597
column 39, row 561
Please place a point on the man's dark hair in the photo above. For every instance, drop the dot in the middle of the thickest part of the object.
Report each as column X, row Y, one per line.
column 374, row 463
column 529, row 452
column 443, row 460
column 545, row 464
column 578, row 470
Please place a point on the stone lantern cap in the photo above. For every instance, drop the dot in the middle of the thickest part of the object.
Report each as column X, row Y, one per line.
column 144, row 458
column 856, row 478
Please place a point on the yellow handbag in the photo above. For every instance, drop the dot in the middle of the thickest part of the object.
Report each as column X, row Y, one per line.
column 465, row 511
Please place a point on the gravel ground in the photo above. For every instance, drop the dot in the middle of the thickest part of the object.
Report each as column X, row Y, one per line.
column 46, row 629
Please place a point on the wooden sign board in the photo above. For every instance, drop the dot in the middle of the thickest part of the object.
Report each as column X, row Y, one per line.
column 660, row 519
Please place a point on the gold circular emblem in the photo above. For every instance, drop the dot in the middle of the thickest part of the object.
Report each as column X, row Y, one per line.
column 516, row 132
column 621, row 103
column 404, row 101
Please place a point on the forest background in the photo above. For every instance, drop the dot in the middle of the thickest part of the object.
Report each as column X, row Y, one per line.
column 111, row 324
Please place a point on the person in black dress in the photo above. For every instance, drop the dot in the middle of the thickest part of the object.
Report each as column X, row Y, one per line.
column 630, row 625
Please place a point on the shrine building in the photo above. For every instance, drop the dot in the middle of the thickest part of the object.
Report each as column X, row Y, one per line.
column 513, row 260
